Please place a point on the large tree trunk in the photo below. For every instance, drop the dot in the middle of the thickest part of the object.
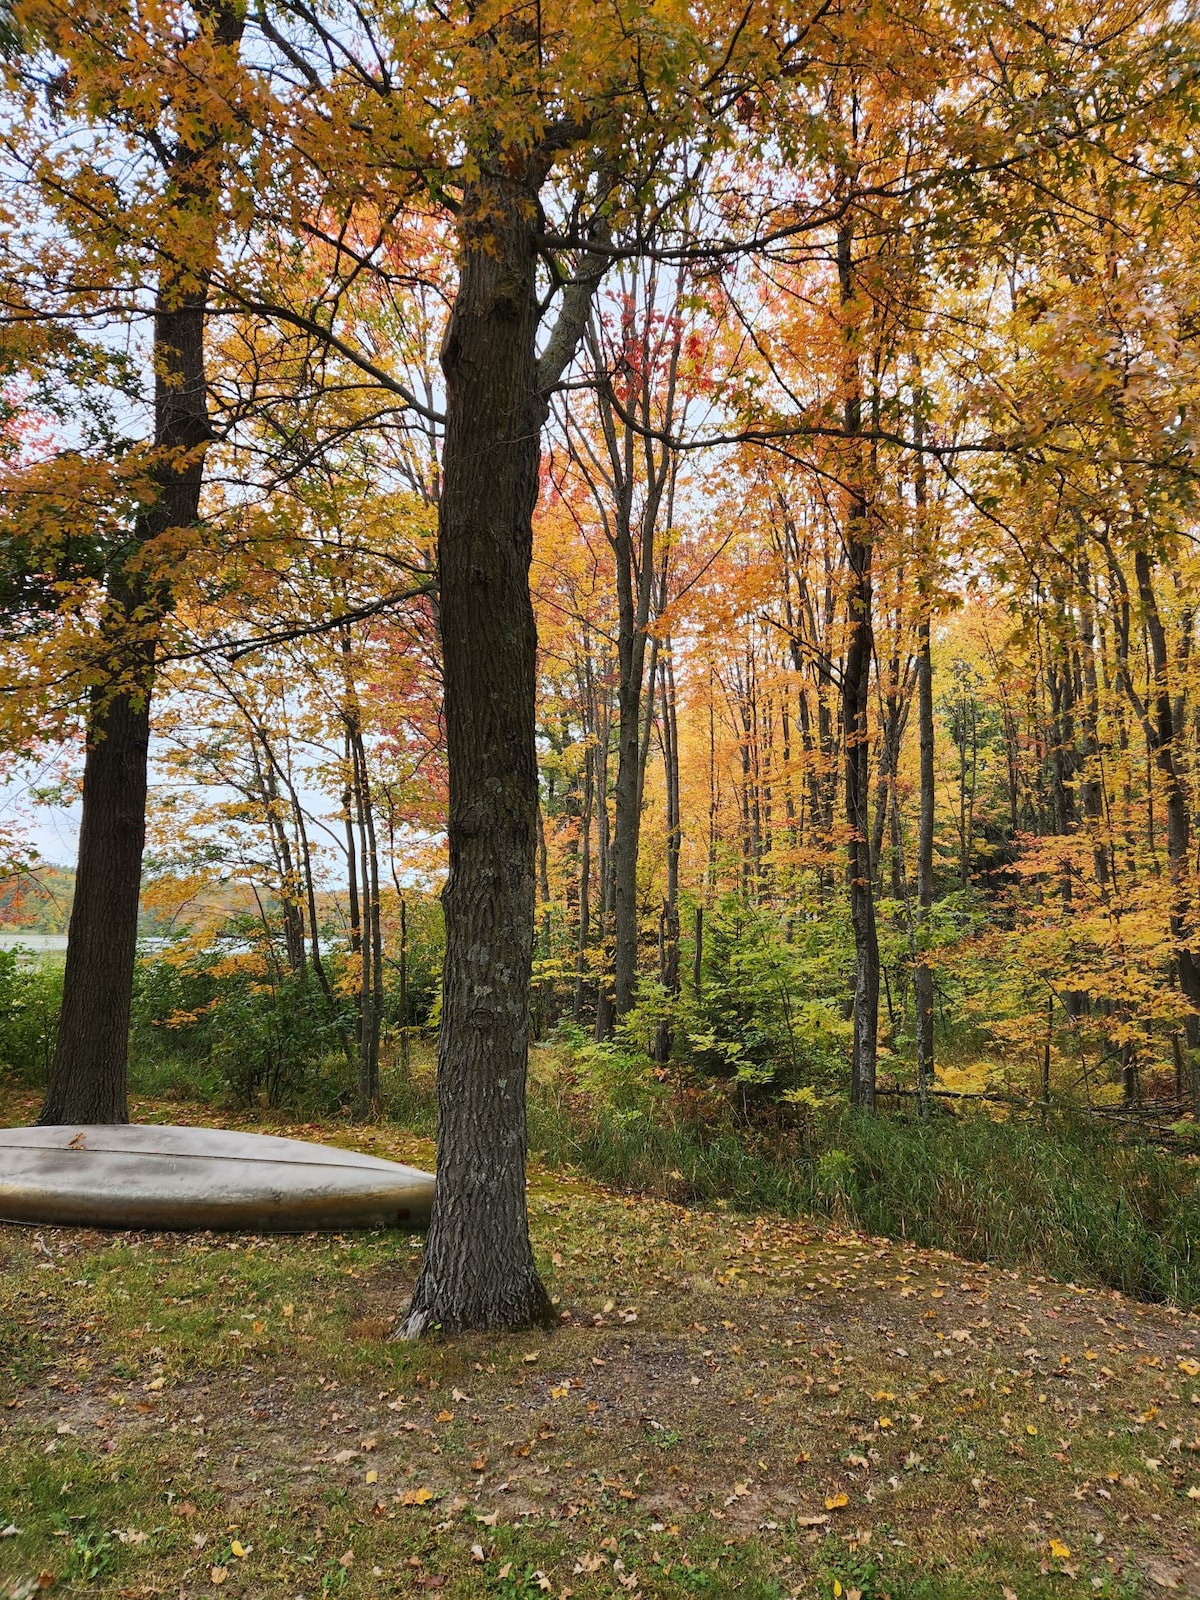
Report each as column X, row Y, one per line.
column 88, row 1074
column 478, row 1269
column 87, row 1081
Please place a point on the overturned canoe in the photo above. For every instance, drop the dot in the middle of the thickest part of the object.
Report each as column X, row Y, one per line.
column 186, row 1178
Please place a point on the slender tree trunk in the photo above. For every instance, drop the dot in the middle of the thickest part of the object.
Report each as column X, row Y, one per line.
column 604, row 865
column 1156, row 715
column 1162, row 734
column 371, row 941
column 289, row 890
column 585, row 881
column 634, row 459
column 923, row 973
column 669, row 946
column 356, row 927
column 404, row 1024
column 855, row 713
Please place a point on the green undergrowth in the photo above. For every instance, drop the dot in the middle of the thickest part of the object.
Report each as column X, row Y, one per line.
column 1064, row 1196
column 760, row 1409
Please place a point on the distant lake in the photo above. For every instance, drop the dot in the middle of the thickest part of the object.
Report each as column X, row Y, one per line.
column 11, row 939
column 56, row 943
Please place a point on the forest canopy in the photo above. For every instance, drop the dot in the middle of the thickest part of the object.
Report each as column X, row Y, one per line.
column 673, row 536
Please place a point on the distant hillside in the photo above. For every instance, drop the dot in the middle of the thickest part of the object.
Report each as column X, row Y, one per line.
column 38, row 901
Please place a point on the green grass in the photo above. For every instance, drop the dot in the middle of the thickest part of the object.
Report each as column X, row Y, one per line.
column 732, row 1407
column 1065, row 1197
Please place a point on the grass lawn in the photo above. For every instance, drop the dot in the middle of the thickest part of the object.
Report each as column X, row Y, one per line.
column 731, row 1406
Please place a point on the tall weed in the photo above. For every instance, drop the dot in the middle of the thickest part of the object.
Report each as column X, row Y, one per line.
column 1064, row 1198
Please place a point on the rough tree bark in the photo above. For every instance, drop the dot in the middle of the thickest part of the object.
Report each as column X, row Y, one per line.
column 478, row 1269
column 87, row 1080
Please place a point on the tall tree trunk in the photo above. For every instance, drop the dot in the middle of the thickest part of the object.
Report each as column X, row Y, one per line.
column 1156, row 715
column 669, row 944
column 634, row 460
column 585, row 874
column 478, row 1269
column 923, row 973
column 371, row 941
column 88, row 1077
column 1162, row 736
column 604, row 862
column 87, row 1080
column 856, row 685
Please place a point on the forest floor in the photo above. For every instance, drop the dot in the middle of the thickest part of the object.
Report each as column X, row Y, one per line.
column 731, row 1405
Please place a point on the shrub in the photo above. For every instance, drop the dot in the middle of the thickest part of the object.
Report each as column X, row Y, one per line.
column 208, row 1020
column 768, row 1012
column 30, row 998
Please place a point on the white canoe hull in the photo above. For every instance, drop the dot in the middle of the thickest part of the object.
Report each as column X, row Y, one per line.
column 187, row 1178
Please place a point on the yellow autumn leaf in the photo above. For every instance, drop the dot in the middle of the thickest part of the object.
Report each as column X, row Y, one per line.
column 416, row 1497
column 372, row 1476
column 835, row 1502
column 444, row 1416
column 239, row 1550
column 1059, row 1550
